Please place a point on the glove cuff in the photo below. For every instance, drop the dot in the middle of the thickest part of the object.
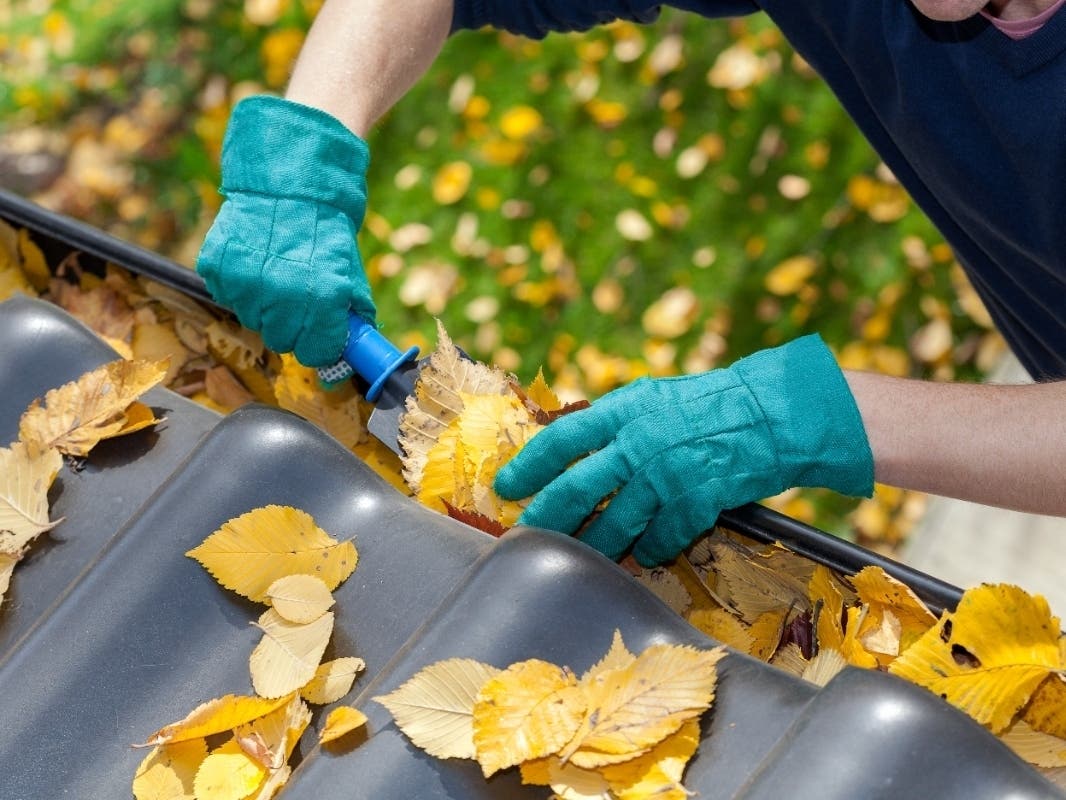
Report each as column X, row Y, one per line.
column 277, row 147
column 814, row 420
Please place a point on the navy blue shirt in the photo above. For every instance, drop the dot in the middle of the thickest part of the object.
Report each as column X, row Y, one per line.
column 972, row 123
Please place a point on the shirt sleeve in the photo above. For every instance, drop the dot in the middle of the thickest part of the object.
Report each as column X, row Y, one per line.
column 537, row 18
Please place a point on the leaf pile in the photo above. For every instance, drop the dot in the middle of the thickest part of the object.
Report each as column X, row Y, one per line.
column 999, row 657
column 70, row 420
column 275, row 555
column 624, row 730
column 464, row 422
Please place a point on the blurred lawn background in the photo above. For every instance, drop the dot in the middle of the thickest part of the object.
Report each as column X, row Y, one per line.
column 636, row 200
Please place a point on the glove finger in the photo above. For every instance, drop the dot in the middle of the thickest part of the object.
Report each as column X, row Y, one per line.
column 625, row 518
column 677, row 524
column 565, row 502
column 548, row 453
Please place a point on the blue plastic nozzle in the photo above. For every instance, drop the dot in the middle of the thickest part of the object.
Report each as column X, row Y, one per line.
column 373, row 356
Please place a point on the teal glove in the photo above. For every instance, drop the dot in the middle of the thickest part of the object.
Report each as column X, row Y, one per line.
column 679, row 450
column 282, row 252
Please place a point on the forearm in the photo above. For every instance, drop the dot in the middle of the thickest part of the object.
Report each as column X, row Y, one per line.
column 361, row 56
column 997, row 445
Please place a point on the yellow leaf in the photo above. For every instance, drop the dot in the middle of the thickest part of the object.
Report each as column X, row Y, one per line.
column 248, row 553
column 435, row 708
column 137, row 417
column 341, row 721
column 753, row 588
column 852, row 646
column 273, row 784
column 13, row 281
column 790, row 275
column 437, row 401
column 228, row 773
column 451, row 182
column 271, row 739
column 542, row 395
column 289, row 653
column 618, row 657
column 337, row 411
column 719, row 624
column 26, row 473
column 332, row 680
column 7, row 568
column 215, row 716
column 567, row 781
column 989, row 656
column 520, row 122
column 875, row 587
column 668, row 587
column 631, row 710
column 824, row 667
column 300, row 598
column 77, row 415
column 766, row 633
column 658, row 772
column 1046, row 711
column 528, row 711
column 824, row 591
column 673, row 314
column 158, row 342
column 1036, row 747
column 34, row 265
column 167, row 772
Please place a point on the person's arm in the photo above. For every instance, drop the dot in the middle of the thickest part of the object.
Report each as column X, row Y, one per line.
column 361, row 56
column 997, row 445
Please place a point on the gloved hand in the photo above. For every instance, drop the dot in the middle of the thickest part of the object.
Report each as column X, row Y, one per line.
column 282, row 252
column 679, row 450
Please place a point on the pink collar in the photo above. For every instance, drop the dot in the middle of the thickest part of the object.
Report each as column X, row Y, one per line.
column 1020, row 28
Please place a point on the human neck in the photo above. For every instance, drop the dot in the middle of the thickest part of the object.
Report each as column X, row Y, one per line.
column 1017, row 9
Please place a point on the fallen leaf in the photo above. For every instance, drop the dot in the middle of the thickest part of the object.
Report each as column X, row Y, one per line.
column 340, row 722
column 248, row 553
column 76, row 416
column 300, row 598
column 528, row 711
column 270, row 739
column 435, row 708
column 215, row 716
column 630, row 710
column 332, row 680
column 167, row 772
column 289, row 653
column 26, row 473
column 228, row 773
column 989, row 655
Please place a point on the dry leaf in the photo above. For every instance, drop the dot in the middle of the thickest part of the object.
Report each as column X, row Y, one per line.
column 7, row 568
column 722, row 626
column 26, row 473
column 435, row 708
column 618, row 657
column 437, row 401
column 228, row 773
column 167, row 772
column 657, row 773
column 76, row 416
column 248, row 553
column 528, row 711
column 332, row 680
column 289, row 653
column 665, row 585
column 300, row 598
column 753, row 588
column 989, row 656
column 1036, row 747
column 1046, row 711
column 215, row 716
column 340, row 722
column 271, row 739
column 338, row 411
column 630, row 710
column 824, row 667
